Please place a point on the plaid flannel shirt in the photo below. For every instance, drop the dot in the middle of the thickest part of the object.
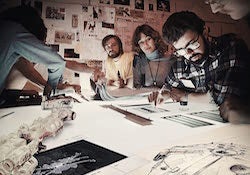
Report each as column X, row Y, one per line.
column 225, row 72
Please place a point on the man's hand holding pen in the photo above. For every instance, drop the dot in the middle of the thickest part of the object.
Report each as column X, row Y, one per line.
column 121, row 81
column 158, row 97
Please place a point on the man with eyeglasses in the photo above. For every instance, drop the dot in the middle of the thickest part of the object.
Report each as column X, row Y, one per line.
column 219, row 65
column 119, row 64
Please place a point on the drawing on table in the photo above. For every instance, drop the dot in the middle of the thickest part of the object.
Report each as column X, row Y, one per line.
column 80, row 157
column 212, row 158
column 187, row 121
column 150, row 109
column 61, row 165
column 209, row 115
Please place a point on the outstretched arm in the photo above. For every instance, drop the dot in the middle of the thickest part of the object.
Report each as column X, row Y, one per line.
column 28, row 70
column 79, row 67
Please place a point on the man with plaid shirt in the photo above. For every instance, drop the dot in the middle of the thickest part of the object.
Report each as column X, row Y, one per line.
column 219, row 65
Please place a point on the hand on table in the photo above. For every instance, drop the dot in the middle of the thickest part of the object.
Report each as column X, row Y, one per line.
column 98, row 75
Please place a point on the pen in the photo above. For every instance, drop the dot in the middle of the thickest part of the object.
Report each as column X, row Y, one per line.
column 118, row 74
column 7, row 114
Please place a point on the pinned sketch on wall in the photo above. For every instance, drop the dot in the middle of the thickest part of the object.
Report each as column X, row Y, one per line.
column 211, row 158
column 108, row 15
column 56, row 13
column 90, row 29
column 79, row 157
column 74, row 21
column 100, row 14
column 122, row 2
column 163, row 5
column 64, row 37
column 84, row 8
column 135, row 14
column 151, row 7
column 139, row 4
column 98, row 22
column 70, row 53
column 123, row 12
column 108, row 19
column 104, row 1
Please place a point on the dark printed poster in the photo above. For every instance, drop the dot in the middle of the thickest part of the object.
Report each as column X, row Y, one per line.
column 163, row 5
column 80, row 157
column 122, row 2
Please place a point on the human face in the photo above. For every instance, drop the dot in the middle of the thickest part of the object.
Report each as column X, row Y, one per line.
column 191, row 46
column 147, row 44
column 235, row 8
column 112, row 48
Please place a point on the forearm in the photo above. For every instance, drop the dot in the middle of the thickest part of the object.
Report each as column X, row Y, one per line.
column 30, row 72
column 37, row 52
column 79, row 67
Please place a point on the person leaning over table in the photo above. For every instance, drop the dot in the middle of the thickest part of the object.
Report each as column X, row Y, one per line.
column 220, row 65
column 16, row 41
column 31, row 20
column 151, row 62
column 118, row 65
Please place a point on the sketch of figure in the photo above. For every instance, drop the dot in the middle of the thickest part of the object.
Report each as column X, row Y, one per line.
column 139, row 4
column 64, row 164
column 74, row 21
column 163, row 5
column 55, row 13
column 90, row 28
column 95, row 14
column 215, row 158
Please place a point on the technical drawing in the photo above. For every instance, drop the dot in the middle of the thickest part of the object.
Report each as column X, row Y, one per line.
column 203, row 159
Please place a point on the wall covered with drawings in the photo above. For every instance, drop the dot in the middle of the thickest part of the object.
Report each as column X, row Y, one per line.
column 79, row 28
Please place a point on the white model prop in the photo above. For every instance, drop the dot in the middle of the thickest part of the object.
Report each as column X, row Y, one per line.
column 17, row 149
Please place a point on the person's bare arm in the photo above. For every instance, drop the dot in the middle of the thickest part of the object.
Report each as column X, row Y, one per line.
column 79, row 67
column 28, row 70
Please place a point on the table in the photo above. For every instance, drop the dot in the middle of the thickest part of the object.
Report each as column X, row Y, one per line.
column 140, row 143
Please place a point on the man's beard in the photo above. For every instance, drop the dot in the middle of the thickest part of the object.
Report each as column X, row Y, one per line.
column 113, row 55
column 200, row 62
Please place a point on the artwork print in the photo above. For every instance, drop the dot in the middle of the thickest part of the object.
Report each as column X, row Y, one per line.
column 80, row 157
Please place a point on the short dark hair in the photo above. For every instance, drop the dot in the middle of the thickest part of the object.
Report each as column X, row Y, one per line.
column 29, row 18
column 118, row 40
column 148, row 31
column 178, row 23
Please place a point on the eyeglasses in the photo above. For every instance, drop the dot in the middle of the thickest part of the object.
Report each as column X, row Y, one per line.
column 188, row 49
column 142, row 41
